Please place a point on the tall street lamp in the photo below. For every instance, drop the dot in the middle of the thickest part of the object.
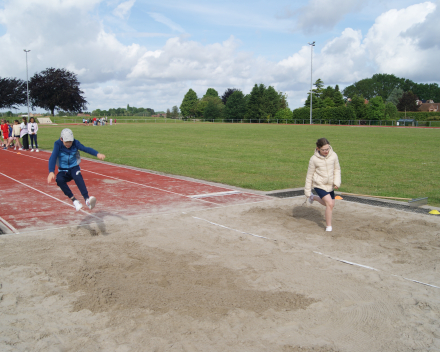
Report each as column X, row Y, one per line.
column 27, row 82
column 311, row 80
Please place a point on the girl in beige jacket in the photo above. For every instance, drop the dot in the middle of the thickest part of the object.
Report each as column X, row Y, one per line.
column 324, row 174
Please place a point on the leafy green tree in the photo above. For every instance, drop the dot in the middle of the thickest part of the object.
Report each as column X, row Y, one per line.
column 338, row 99
column 328, row 103
column 376, row 109
column 283, row 100
column 319, row 84
column 175, row 112
column 284, row 114
column 254, row 109
column 271, row 101
column 235, row 108
column 56, row 89
column 12, row 93
column 328, row 92
column 316, row 102
column 390, row 111
column 359, row 107
column 211, row 92
column 168, row 114
column 189, row 104
column 228, row 92
column 408, row 102
column 212, row 110
column 395, row 95
column 203, row 103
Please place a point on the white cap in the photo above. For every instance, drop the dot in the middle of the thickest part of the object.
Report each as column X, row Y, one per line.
column 67, row 135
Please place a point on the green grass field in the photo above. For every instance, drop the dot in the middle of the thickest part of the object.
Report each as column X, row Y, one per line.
column 395, row 162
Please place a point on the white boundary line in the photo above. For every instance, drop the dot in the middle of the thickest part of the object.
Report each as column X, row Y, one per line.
column 9, row 226
column 216, row 194
column 229, row 228
column 46, row 194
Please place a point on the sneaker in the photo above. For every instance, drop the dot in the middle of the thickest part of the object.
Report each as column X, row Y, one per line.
column 36, row 150
column 32, row 150
column 311, row 199
column 77, row 204
column 328, row 228
column 15, row 148
column 91, row 202
column 20, row 149
column 5, row 148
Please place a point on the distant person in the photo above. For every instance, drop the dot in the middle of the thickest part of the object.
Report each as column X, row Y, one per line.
column 5, row 132
column 324, row 174
column 33, row 129
column 16, row 129
column 24, row 133
column 65, row 154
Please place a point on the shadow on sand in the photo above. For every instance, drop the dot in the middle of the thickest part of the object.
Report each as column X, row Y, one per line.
column 95, row 226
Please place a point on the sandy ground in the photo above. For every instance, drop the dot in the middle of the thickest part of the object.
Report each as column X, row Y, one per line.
column 175, row 282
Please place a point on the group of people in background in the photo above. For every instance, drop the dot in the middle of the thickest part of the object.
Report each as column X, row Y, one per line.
column 12, row 133
column 97, row 121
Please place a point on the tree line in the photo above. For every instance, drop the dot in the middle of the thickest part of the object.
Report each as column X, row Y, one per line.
column 52, row 89
column 262, row 103
column 129, row 111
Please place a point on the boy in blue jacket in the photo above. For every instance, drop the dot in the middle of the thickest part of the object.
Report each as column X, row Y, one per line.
column 65, row 154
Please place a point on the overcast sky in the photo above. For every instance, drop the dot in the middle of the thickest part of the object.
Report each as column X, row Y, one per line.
column 149, row 53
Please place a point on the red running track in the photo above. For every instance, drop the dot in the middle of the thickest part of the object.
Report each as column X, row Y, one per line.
column 29, row 203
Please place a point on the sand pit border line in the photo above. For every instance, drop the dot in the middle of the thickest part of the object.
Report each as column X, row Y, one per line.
column 46, row 194
column 371, row 268
column 133, row 217
column 9, row 227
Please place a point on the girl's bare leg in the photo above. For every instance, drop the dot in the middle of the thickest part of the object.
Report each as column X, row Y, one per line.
column 319, row 200
column 329, row 204
column 17, row 140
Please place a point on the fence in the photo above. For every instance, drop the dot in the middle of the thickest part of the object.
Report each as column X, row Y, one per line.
column 273, row 121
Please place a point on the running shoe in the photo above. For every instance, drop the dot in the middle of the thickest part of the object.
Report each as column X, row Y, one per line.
column 32, row 150
column 91, row 202
column 36, row 150
column 328, row 228
column 77, row 204
column 311, row 199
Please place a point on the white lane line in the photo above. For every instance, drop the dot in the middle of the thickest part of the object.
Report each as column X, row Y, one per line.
column 46, row 194
column 346, row 261
column 216, row 194
column 419, row 282
column 142, row 185
column 229, row 228
column 9, row 226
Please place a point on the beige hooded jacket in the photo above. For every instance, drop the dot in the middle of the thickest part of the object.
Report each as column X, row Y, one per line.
column 323, row 172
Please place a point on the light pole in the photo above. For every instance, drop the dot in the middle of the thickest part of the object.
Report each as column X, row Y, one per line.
column 311, row 80
column 27, row 81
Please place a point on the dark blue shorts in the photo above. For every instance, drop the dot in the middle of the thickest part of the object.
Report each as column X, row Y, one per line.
column 321, row 193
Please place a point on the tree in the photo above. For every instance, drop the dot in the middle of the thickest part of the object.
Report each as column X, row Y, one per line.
column 395, row 95
column 270, row 101
column 328, row 103
column 56, row 89
column 284, row 114
column 227, row 94
column 390, row 111
column 203, row 103
column 168, row 114
column 211, row 92
column 328, row 92
column 211, row 111
column 189, row 104
column 235, row 108
column 319, row 84
column 254, row 109
column 338, row 99
column 12, row 93
column 175, row 112
column 408, row 102
column 316, row 103
column 359, row 107
column 376, row 109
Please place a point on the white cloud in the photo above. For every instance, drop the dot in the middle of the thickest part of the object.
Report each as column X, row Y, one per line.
column 166, row 21
column 123, row 9
column 320, row 15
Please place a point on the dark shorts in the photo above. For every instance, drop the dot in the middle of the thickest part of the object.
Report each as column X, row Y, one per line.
column 321, row 193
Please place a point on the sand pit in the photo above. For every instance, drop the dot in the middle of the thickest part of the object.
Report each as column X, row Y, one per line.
column 181, row 282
